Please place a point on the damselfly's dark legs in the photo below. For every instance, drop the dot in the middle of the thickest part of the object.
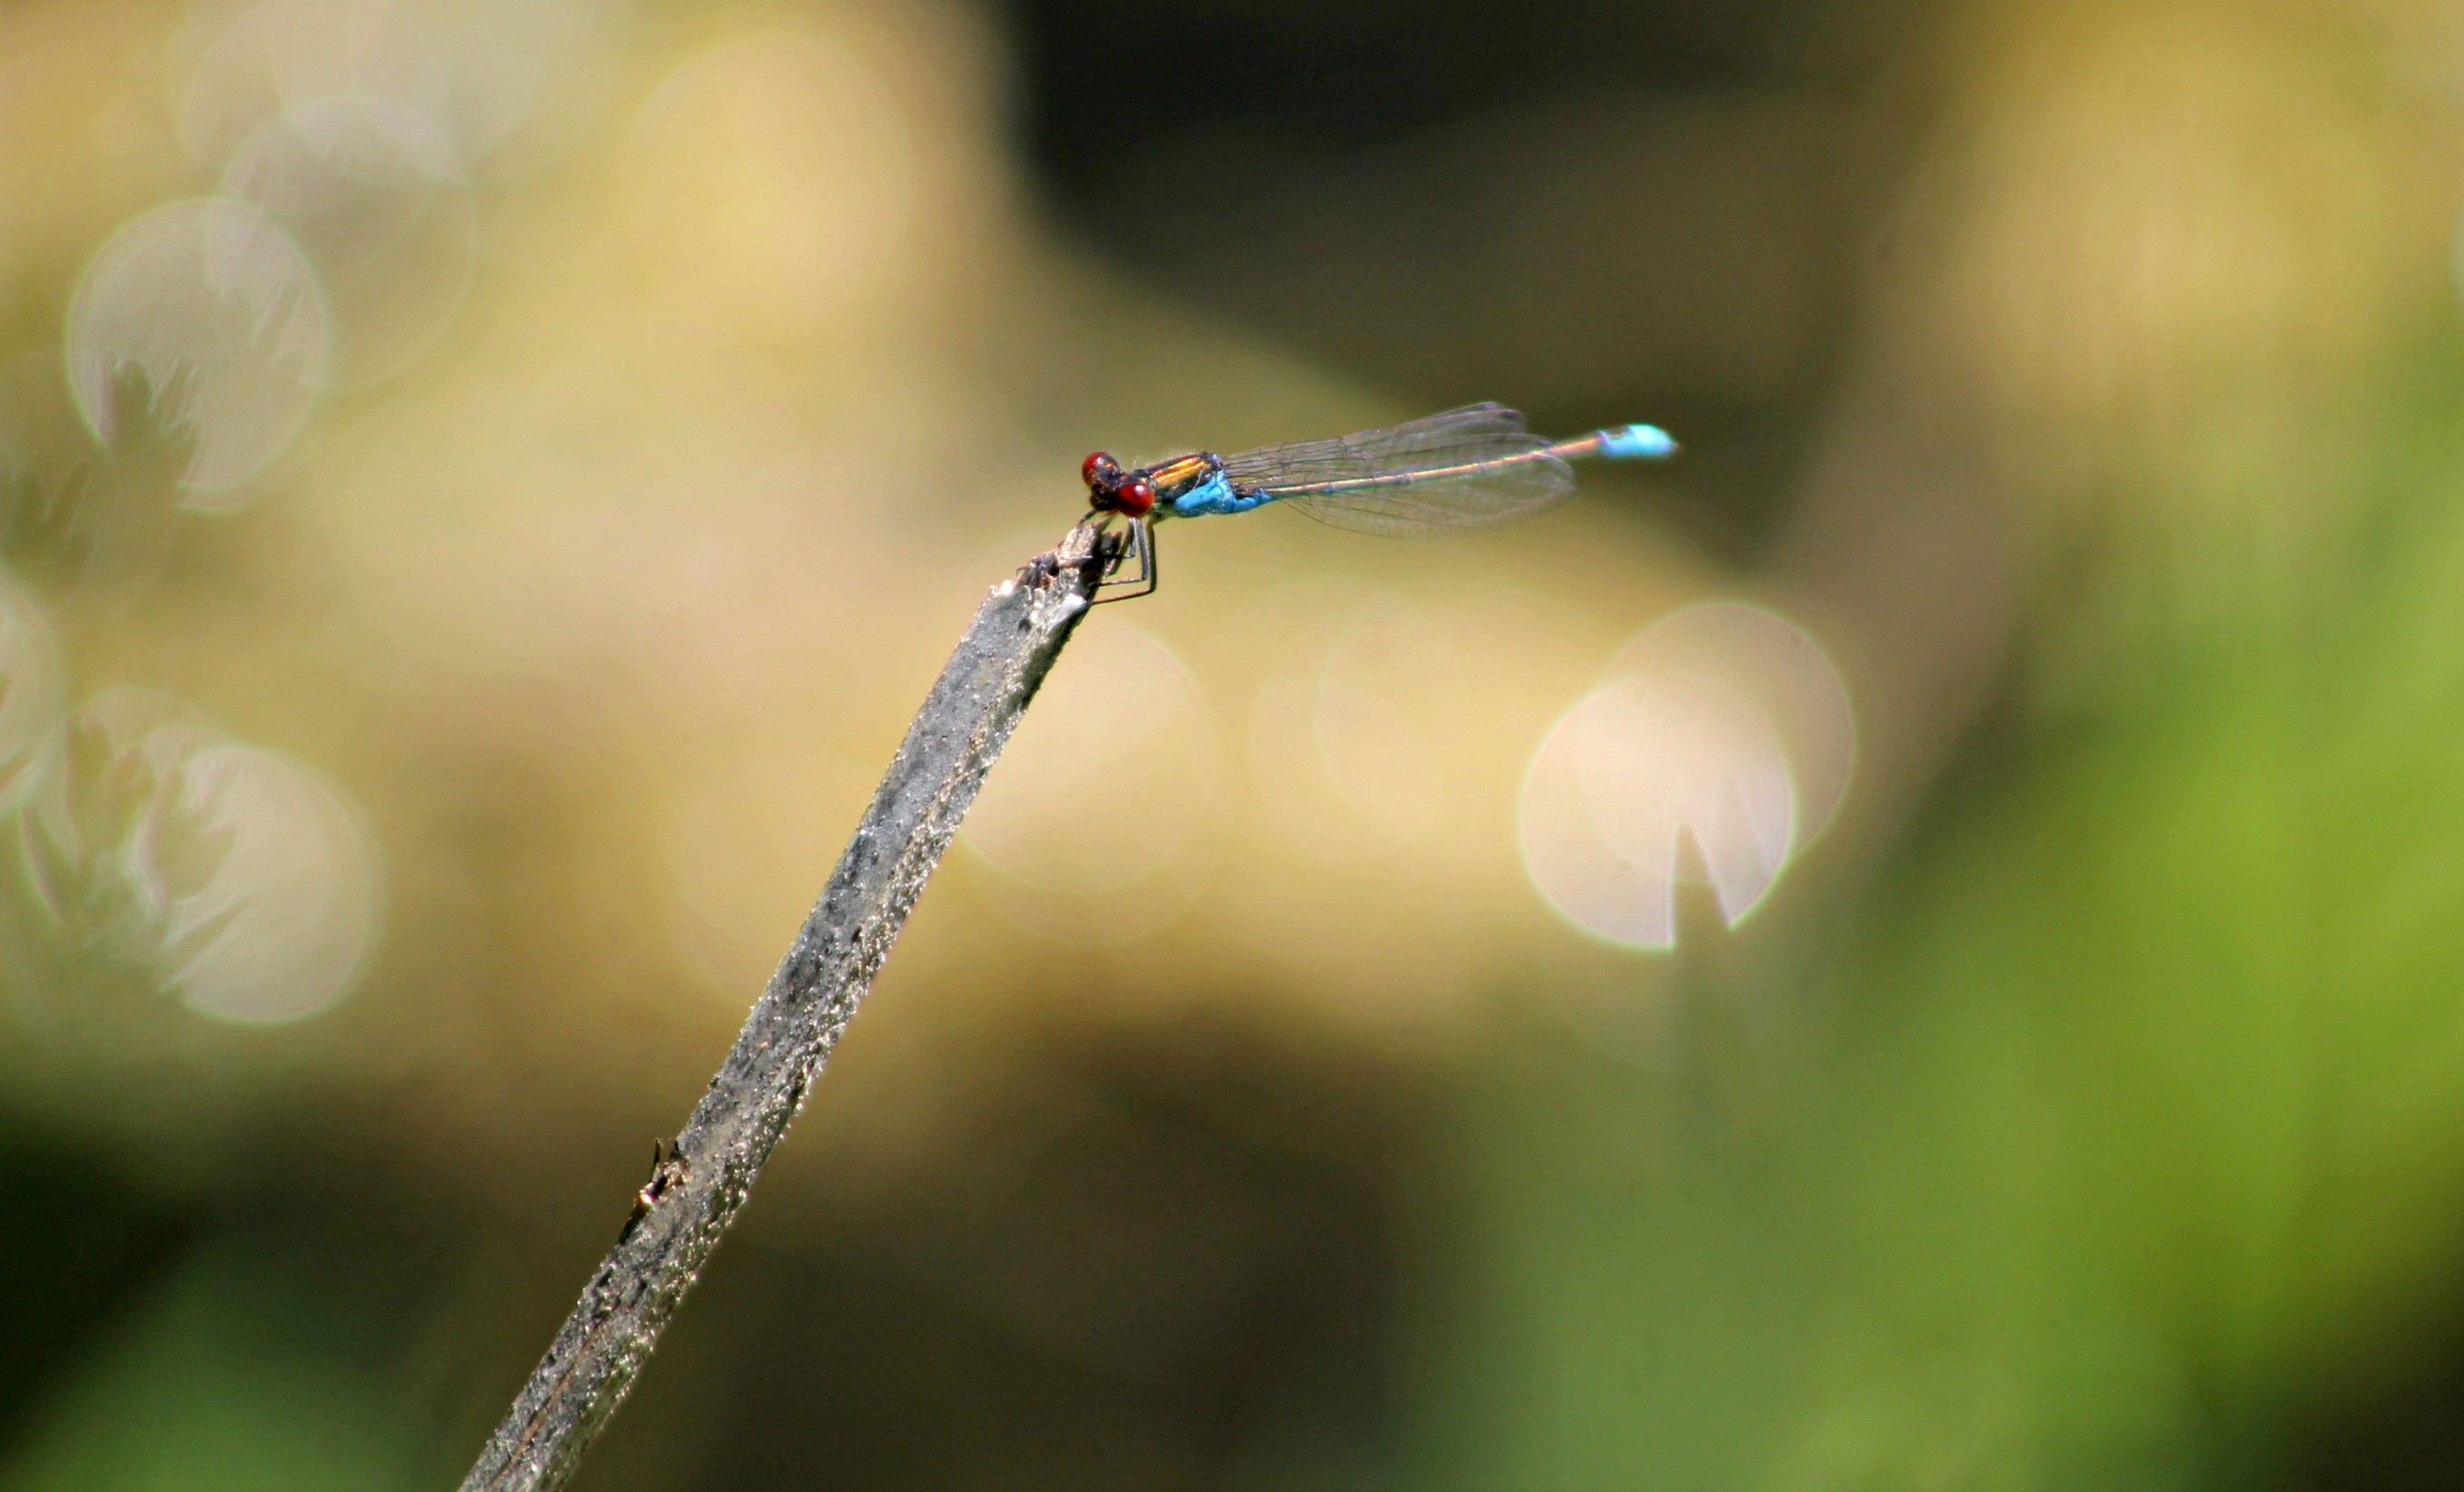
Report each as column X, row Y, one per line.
column 1135, row 543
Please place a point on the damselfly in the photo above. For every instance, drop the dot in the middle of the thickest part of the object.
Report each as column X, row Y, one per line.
column 1467, row 468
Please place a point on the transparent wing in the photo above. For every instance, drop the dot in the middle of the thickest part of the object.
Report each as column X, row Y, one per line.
column 1466, row 468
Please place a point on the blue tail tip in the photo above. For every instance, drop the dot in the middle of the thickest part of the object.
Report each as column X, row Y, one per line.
column 1636, row 442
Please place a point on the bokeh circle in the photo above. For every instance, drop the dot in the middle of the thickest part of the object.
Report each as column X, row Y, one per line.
column 222, row 321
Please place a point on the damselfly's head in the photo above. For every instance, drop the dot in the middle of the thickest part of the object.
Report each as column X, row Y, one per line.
column 1111, row 490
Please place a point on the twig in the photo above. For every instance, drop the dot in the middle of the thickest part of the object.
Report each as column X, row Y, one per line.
column 696, row 1187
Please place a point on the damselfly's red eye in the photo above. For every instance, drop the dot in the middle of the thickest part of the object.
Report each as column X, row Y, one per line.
column 1135, row 497
column 1097, row 469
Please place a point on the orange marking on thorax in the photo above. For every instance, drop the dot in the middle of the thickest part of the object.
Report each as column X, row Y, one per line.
column 1179, row 473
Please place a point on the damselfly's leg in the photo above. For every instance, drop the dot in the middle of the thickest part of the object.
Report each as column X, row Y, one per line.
column 1138, row 545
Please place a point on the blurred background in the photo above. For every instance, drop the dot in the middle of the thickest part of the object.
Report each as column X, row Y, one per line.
column 1921, row 945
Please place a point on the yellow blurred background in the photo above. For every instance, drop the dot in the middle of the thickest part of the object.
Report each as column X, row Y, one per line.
column 1921, row 945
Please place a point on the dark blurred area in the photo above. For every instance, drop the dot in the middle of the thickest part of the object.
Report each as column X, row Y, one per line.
column 1914, row 947
column 1702, row 179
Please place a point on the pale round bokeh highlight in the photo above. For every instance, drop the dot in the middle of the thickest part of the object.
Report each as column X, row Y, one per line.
column 264, row 882
column 32, row 692
column 165, row 727
column 517, row 77
column 225, row 318
column 259, row 60
column 1786, row 673
column 1719, row 747
column 1622, row 783
column 248, row 880
column 375, row 199
column 524, row 73
column 1387, row 676
column 1088, row 815
column 136, row 738
column 1357, row 751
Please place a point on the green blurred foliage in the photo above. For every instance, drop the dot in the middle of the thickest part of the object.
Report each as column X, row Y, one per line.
column 2135, row 1118
column 230, row 1375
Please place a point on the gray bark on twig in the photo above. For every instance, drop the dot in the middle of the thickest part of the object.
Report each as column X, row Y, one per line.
column 696, row 1189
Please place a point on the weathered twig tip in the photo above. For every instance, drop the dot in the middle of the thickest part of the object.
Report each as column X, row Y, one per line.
column 700, row 1178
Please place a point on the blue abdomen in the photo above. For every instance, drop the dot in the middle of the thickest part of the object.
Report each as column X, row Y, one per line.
column 1214, row 495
